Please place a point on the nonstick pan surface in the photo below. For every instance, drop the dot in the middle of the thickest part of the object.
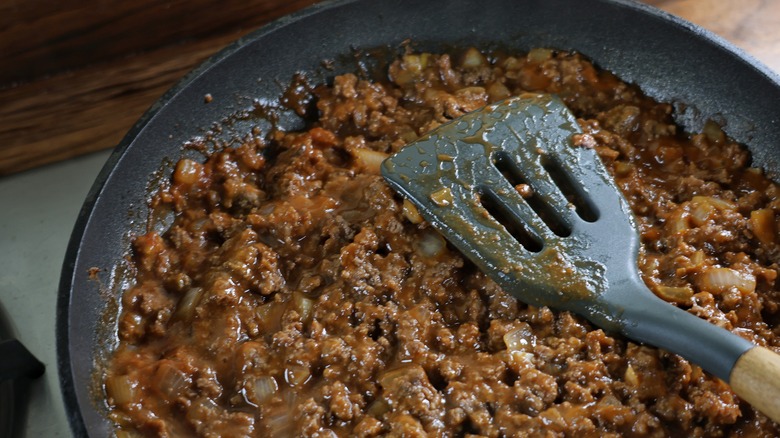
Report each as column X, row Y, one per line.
column 670, row 59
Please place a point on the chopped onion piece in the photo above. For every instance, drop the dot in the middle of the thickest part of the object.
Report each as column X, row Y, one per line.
column 525, row 358
column 369, row 160
column 280, row 423
column 442, row 197
column 409, row 136
column 764, row 225
column 187, row 172
column 498, row 91
column 404, row 373
column 539, row 55
column 520, row 339
column 186, row 308
column 720, row 280
column 512, row 63
column 120, row 389
column 680, row 221
column 713, row 132
column 170, row 381
column 296, row 375
column 524, row 190
column 675, row 294
column 720, row 204
column 261, row 389
column 411, row 213
column 701, row 213
column 623, row 169
column 303, row 305
column 290, row 398
column 378, row 408
column 430, row 244
column 630, row 377
column 415, row 63
column 270, row 315
column 473, row 58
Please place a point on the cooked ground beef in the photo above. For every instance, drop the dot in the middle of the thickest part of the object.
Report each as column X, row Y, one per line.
column 296, row 295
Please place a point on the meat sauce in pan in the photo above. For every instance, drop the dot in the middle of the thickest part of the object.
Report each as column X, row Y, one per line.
column 296, row 295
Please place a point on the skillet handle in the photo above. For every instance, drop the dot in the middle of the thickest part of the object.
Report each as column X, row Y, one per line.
column 756, row 379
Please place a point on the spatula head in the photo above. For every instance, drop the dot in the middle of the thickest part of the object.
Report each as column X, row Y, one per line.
column 509, row 186
column 514, row 190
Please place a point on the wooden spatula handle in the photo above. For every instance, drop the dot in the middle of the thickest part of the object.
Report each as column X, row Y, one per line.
column 756, row 379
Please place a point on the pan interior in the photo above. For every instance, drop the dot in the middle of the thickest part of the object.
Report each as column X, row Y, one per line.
column 670, row 60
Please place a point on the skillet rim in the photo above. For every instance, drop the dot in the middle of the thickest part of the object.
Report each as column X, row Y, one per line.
column 73, row 409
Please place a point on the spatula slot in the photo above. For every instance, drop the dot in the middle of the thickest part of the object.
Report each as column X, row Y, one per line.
column 546, row 213
column 497, row 208
column 571, row 189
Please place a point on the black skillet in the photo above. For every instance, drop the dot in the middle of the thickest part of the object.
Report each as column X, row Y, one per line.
column 670, row 59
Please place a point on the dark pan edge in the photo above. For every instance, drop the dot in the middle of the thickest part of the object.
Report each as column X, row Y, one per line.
column 62, row 324
column 688, row 115
column 72, row 253
column 709, row 35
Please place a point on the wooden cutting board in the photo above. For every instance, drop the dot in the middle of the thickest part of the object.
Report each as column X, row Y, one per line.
column 75, row 75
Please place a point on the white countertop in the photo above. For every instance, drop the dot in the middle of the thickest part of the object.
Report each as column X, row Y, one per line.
column 39, row 209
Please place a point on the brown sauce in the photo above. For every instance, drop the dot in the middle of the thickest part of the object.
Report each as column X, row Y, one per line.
column 298, row 296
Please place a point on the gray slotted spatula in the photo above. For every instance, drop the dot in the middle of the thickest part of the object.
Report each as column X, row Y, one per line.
column 543, row 218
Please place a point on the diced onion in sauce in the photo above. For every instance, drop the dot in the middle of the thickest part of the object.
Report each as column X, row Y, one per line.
column 186, row 308
column 524, row 190
column 701, row 213
column 675, row 294
column 697, row 258
column 378, row 408
column 370, row 160
column 720, row 204
column 764, row 225
column 623, row 169
column 411, row 213
column 680, row 221
column 280, row 423
column 412, row 66
column 520, row 339
column 170, row 381
column 303, row 305
column 408, row 372
column 539, row 55
column 187, row 172
column 498, row 91
column 431, row 244
column 720, row 280
column 702, row 208
column 296, row 375
column 261, row 389
column 713, row 132
column 512, row 63
column 270, row 315
column 408, row 136
column 473, row 58
column 442, row 197
column 121, row 389
column 630, row 377
column 415, row 63
column 525, row 358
